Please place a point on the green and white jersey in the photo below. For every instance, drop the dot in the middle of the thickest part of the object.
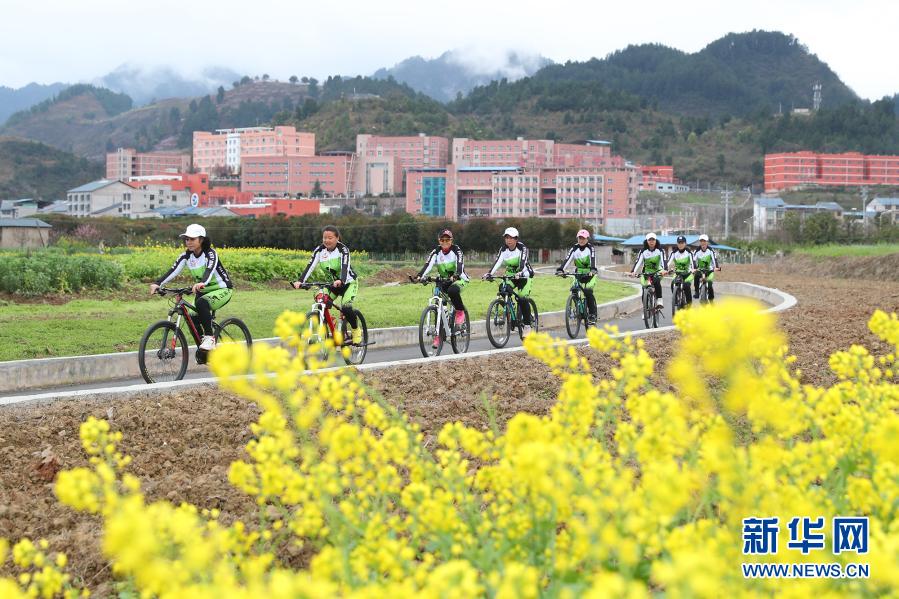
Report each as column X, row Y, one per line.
column 649, row 261
column 448, row 263
column 706, row 259
column 515, row 261
column 584, row 258
column 205, row 268
column 681, row 261
column 330, row 265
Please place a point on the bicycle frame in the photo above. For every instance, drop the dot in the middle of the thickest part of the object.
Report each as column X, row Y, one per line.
column 323, row 304
column 440, row 299
column 182, row 307
column 506, row 292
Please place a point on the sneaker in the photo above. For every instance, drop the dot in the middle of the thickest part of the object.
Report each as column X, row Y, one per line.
column 659, row 304
column 695, row 296
column 208, row 343
column 436, row 342
column 526, row 330
column 357, row 336
column 591, row 321
column 460, row 318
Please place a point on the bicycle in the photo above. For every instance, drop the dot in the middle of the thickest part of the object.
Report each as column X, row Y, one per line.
column 678, row 298
column 502, row 314
column 164, row 346
column 437, row 317
column 651, row 311
column 704, row 285
column 320, row 314
column 576, row 307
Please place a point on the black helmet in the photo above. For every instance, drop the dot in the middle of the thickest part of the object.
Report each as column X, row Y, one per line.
column 681, row 239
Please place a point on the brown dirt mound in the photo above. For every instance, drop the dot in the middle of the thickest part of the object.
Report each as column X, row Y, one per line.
column 843, row 267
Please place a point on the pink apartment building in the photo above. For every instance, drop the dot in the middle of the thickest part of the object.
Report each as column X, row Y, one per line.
column 595, row 194
column 226, row 148
column 280, row 176
column 383, row 160
column 125, row 163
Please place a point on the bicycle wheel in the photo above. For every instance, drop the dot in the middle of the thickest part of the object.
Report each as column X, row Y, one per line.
column 498, row 325
column 649, row 306
column 535, row 316
column 357, row 352
column 430, row 341
column 318, row 334
column 232, row 330
column 703, row 293
column 572, row 316
column 163, row 353
column 461, row 337
column 678, row 301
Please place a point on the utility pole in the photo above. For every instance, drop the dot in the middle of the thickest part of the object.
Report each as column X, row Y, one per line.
column 865, row 209
column 726, row 193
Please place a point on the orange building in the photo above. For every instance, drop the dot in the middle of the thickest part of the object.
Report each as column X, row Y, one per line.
column 650, row 175
column 276, row 207
column 850, row 169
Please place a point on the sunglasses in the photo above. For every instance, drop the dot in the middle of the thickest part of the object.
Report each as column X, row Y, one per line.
column 446, row 240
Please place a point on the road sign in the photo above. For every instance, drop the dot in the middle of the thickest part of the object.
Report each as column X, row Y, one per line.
column 194, row 200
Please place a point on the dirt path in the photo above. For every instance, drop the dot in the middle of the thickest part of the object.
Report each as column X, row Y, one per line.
column 182, row 444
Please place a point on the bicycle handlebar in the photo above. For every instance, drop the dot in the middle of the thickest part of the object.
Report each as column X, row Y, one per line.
column 161, row 291
column 503, row 278
column 426, row 280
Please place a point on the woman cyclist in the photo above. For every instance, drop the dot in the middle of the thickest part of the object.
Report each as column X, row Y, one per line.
column 447, row 257
column 651, row 261
column 707, row 262
column 331, row 262
column 213, row 286
column 584, row 257
column 514, row 256
column 680, row 261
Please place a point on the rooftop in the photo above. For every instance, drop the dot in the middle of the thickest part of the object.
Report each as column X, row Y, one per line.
column 24, row 222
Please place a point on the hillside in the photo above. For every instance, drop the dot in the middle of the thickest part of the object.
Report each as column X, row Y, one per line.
column 14, row 100
column 34, row 170
column 454, row 72
column 736, row 75
column 82, row 125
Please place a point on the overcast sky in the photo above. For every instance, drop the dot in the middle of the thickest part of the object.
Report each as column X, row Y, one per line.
column 79, row 40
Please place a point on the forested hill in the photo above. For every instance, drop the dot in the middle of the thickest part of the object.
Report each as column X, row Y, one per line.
column 736, row 75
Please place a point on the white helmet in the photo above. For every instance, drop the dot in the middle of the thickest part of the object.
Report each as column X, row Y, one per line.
column 703, row 238
column 651, row 236
column 511, row 232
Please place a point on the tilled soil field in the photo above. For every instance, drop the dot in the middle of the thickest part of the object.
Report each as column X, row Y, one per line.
column 183, row 443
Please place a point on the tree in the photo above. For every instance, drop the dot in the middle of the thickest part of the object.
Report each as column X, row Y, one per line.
column 313, row 87
column 317, row 190
column 304, row 79
column 721, row 162
column 220, row 95
column 265, row 77
column 294, row 79
column 245, row 79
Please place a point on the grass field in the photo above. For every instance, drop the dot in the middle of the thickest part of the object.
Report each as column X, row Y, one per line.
column 837, row 250
column 89, row 326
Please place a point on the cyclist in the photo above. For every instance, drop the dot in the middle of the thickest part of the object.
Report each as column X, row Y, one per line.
column 331, row 262
column 514, row 256
column 651, row 261
column 680, row 261
column 584, row 257
column 213, row 286
column 706, row 260
column 447, row 257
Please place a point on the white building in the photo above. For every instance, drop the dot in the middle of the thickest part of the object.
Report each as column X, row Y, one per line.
column 887, row 208
column 105, row 198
